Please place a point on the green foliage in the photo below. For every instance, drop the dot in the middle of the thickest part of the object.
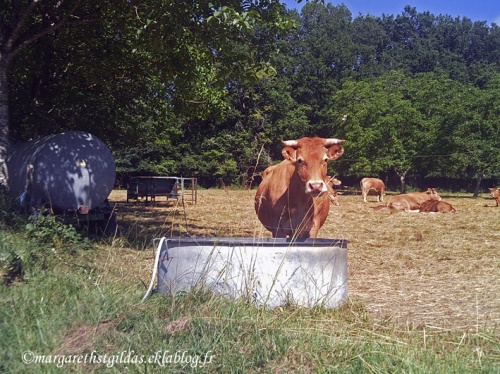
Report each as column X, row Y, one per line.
column 385, row 126
column 8, row 206
column 219, row 160
column 140, row 160
column 209, row 90
column 49, row 231
column 132, row 63
column 12, row 255
column 417, row 123
column 477, row 137
column 44, row 243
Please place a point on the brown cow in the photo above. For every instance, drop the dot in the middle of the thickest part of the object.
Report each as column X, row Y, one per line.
column 333, row 181
column 495, row 193
column 292, row 199
column 375, row 184
column 269, row 170
column 409, row 201
column 332, row 194
column 436, row 206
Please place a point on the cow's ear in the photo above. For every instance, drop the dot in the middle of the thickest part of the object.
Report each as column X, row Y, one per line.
column 289, row 153
column 334, row 152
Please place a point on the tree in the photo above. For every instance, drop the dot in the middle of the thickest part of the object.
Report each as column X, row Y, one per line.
column 387, row 131
column 177, row 54
column 476, row 138
column 22, row 23
column 371, row 42
column 321, row 54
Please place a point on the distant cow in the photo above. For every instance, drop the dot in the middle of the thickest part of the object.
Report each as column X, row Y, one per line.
column 495, row 193
column 436, row 206
column 292, row 199
column 372, row 184
column 333, row 196
column 410, row 201
column 333, row 181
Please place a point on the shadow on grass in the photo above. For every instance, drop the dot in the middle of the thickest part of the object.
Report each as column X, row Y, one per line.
column 139, row 223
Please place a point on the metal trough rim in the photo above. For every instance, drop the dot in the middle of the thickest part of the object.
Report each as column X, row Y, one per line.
column 266, row 242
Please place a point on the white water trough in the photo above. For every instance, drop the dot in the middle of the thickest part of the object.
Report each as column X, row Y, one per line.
column 270, row 272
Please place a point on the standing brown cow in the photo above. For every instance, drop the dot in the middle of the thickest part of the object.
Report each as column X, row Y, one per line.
column 431, row 206
column 292, row 199
column 372, row 184
column 495, row 193
column 409, row 201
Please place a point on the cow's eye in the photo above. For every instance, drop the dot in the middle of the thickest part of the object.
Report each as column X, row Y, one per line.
column 301, row 161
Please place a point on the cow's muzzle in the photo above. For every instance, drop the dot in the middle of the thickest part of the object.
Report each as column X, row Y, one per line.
column 316, row 188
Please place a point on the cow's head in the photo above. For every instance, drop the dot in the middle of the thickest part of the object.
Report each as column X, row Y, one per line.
column 311, row 156
column 333, row 181
column 433, row 194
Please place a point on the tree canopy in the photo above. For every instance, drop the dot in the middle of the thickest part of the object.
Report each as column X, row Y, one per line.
column 131, row 72
column 209, row 88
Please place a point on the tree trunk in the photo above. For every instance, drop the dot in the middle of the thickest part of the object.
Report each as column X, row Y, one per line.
column 403, row 183
column 402, row 178
column 477, row 190
column 4, row 123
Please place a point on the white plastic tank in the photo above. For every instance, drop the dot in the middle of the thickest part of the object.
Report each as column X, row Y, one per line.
column 66, row 171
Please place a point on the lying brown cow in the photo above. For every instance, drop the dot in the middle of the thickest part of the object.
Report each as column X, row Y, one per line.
column 431, row 206
column 409, row 201
column 293, row 197
column 333, row 181
column 495, row 193
column 372, row 184
column 333, row 196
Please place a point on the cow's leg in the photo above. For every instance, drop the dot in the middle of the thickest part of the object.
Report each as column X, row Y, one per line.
column 364, row 196
column 313, row 232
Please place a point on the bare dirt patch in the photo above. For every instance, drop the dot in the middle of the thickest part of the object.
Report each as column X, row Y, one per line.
column 422, row 269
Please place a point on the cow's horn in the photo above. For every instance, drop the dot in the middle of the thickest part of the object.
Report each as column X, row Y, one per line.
column 331, row 141
column 289, row 143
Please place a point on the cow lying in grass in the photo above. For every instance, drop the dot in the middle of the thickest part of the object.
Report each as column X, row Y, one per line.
column 409, row 201
column 435, row 206
column 495, row 193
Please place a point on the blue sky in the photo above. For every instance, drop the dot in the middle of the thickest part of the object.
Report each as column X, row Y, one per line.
column 476, row 10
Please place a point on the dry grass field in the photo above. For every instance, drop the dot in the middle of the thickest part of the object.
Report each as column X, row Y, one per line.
column 437, row 270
